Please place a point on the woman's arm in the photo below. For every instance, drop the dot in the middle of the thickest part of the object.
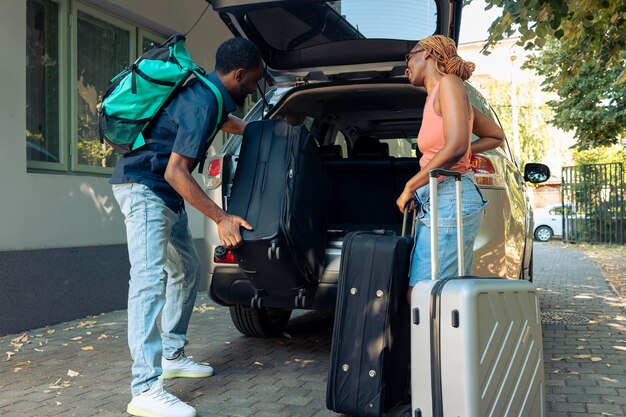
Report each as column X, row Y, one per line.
column 490, row 135
column 234, row 125
column 455, row 111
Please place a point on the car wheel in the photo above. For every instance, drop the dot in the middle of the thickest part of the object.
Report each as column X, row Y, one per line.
column 259, row 322
column 543, row 233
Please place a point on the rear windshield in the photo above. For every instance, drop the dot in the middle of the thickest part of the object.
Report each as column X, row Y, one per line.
column 300, row 26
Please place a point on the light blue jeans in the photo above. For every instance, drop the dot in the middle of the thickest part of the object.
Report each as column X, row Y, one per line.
column 473, row 205
column 163, row 279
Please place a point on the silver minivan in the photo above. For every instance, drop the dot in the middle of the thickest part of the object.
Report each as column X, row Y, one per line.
column 338, row 68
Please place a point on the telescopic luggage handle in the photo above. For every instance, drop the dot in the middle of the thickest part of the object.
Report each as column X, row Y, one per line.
column 433, row 174
column 406, row 217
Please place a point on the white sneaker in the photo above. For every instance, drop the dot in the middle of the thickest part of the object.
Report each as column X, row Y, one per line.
column 184, row 367
column 156, row 402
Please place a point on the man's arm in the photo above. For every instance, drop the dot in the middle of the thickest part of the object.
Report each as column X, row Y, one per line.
column 234, row 125
column 178, row 175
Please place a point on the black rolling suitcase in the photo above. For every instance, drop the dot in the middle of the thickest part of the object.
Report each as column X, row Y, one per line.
column 281, row 188
column 370, row 352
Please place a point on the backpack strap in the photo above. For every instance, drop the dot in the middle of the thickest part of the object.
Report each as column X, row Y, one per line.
column 200, row 74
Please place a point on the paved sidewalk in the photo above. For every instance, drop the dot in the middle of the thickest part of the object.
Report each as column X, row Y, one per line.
column 585, row 363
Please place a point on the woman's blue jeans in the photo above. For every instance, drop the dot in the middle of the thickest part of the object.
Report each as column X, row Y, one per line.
column 473, row 205
column 163, row 279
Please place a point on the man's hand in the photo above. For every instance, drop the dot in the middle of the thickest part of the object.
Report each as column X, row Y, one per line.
column 228, row 231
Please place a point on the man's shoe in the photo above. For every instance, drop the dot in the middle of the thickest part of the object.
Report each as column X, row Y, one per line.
column 156, row 402
column 183, row 367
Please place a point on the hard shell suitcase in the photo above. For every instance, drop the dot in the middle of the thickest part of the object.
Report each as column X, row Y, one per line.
column 281, row 188
column 476, row 344
column 369, row 365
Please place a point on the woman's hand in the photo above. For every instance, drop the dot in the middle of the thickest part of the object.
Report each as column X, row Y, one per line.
column 405, row 197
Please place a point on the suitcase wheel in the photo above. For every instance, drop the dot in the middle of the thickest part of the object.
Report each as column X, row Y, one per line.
column 273, row 251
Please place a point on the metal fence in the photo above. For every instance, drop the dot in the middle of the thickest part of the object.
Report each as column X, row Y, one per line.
column 593, row 203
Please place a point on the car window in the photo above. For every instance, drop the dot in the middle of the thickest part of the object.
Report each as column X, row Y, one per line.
column 401, row 147
column 311, row 24
column 340, row 139
column 557, row 211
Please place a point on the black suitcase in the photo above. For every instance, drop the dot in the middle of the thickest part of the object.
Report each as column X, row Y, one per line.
column 281, row 188
column 370, row 352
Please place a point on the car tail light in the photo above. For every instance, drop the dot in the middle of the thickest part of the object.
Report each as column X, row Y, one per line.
column 224, row 256
column 214, row 172
column 485, row 171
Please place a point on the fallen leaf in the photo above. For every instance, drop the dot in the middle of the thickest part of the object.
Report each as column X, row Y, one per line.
column 39, row 350
column 205, row 363
column 47, row 391
column 71, row 373
column 58, row 403
column 84, row 324
column 22, row 363
column 51, row 331
column 582, row 356
column 76, row 338
column 17, row 370
column 556, row 371
column 9, row 354
column 592, row 322
column 596, row 359
column 88, row 333
column 203, row 308
column 258, row 363
column 87, row 348
column 582, row 340
column 287, row 335
column 607, row 414
column 21, row 339
column 573, row 373
column 227, row 343
column 580, row 347
column 103, row 336
column 560, row 358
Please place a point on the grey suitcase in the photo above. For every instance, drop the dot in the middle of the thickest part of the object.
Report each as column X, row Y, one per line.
column 476, row 344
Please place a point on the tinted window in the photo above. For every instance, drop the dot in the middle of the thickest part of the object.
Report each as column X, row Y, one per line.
column 400, row 147
column 306, row 25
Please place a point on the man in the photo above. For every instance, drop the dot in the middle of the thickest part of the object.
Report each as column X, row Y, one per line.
column 151, row 185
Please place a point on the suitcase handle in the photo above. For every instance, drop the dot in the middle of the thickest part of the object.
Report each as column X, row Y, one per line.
column 406, row 217
column 433, row 174
column 441, row 172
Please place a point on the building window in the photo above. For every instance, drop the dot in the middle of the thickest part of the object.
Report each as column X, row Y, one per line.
column 43, row 145
column 62, row 112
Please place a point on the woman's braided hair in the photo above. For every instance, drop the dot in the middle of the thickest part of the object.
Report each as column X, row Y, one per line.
column 443, row 50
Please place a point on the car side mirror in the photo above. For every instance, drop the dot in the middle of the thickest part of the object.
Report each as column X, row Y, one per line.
column 536, row 173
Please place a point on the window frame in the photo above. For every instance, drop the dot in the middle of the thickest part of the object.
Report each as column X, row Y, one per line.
column 62, row 38
column 73, row 85
column 67, row 15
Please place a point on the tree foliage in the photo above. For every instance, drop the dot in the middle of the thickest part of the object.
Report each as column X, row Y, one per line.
column 532, row 120
column 580, row 50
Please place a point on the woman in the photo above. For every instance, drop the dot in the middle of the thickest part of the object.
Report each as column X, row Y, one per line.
column 445, row 140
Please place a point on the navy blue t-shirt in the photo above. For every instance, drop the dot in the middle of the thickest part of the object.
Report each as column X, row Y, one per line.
column 186, row 122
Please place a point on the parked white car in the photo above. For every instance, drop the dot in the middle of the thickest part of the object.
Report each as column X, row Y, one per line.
column 548, row 221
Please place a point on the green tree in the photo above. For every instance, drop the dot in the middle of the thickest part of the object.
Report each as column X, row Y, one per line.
column 532, row 119
column 580, row 50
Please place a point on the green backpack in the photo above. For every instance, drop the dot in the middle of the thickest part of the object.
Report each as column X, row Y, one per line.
column 140, row 91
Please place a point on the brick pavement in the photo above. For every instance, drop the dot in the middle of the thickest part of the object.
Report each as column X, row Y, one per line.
column 286, row 377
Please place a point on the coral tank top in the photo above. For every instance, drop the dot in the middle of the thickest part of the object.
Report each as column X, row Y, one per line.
column 431, row 138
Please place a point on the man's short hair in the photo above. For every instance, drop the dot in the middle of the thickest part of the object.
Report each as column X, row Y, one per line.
column 237, row 53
